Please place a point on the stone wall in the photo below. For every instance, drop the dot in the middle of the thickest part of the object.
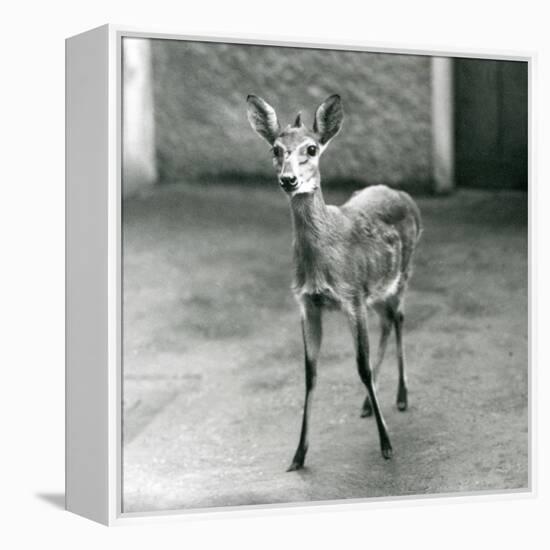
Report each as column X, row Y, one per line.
column 202, row 132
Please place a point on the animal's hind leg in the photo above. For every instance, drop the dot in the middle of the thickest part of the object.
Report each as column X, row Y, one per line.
column 358, row 323
column 402, row 400
column 386, row 322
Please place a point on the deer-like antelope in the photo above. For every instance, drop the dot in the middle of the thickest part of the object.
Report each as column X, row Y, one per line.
column 345, row 257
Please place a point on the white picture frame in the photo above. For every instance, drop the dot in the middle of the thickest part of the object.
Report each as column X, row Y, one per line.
column 93, row 258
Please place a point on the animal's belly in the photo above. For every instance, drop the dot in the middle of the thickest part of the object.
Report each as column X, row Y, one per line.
column 325, row 300
column 322, row 296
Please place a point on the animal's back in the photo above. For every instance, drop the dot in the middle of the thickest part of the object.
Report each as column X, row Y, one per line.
column 388, row 205
column 394, row 209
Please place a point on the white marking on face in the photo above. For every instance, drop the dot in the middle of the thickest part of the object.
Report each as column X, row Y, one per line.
column 297, row 162
column 307, row 141
column 307, row 186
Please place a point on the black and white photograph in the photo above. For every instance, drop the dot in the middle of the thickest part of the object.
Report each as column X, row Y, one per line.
column 324, row 275
column 275, row 275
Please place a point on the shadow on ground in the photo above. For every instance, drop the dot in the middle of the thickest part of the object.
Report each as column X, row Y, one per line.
column 212, row 369
column 57, row 500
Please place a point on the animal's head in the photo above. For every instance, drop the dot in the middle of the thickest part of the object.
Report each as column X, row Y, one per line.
column 296, row 149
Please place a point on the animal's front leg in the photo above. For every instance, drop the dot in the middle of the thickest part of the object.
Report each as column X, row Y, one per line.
column 358, row 323
column 312, row 334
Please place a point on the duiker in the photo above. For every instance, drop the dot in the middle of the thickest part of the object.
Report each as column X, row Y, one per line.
column 348, row 257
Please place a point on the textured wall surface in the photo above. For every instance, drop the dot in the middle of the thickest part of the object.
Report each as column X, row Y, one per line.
column 200, row 94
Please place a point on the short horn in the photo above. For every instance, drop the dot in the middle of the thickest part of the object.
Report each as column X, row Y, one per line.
column 298, row 121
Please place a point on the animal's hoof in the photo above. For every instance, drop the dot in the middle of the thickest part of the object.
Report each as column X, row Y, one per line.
column 366, row 411
column 298, row 460
column 387, row 452
column 295, row 466
column 402, row 401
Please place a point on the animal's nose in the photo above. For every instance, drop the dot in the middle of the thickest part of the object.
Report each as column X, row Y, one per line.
column 288, row 182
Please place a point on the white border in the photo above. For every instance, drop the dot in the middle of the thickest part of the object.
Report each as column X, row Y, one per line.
column 88, row 158
column 116, row 33
column 115, row 276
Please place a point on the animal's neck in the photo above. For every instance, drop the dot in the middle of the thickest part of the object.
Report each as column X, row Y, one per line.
column 309, row 217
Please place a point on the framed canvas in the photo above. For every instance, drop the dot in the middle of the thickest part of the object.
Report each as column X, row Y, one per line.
column 212, row 280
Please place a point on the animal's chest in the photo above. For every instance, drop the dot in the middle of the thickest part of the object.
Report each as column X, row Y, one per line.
column 317, row 278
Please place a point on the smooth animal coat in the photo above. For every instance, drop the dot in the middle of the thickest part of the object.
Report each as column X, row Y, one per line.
column 345, row 257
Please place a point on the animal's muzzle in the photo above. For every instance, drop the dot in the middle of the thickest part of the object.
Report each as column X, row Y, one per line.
column 288, row 183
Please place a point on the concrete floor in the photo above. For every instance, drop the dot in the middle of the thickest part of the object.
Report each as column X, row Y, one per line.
column 213, row 375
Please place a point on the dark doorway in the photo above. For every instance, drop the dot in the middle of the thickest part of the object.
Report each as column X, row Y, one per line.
column 491, row 123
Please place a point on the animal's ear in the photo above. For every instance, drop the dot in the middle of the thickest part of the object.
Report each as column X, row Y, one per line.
column 263, row 118
column 328, row 119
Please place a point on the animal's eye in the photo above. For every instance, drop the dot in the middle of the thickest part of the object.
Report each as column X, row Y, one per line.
column 276, row 151
column 312, row 150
